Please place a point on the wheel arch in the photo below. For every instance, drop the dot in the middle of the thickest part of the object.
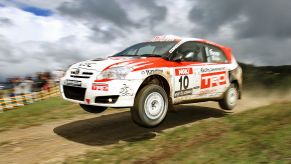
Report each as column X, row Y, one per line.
column 159, row 80
column 237, row 84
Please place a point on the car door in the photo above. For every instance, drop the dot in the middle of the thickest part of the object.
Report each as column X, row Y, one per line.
column 214, row 77
column 189, row 57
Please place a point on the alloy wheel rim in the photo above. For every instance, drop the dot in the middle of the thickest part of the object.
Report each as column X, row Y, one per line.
column 232, row 97
column 154, row 105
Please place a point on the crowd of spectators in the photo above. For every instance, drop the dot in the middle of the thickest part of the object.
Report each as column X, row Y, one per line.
column 36, row 83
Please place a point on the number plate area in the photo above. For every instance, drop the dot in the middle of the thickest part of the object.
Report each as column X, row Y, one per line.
column 184, row 82
column 73, row 83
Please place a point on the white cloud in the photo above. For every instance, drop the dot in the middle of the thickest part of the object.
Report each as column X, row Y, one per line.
column 34, row 43
column 28, row 27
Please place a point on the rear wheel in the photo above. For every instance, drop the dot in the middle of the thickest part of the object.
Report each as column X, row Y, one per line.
column 93, row 109
column 230, row 98
column 150, row 106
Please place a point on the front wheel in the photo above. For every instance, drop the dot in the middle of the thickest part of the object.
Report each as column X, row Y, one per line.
column 230, row 98
column 93, row 109
column 150, row 106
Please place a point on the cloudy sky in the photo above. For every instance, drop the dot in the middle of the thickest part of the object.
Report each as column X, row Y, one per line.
column 37, row 35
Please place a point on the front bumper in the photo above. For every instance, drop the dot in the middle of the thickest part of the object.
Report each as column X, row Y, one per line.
column 115, row 93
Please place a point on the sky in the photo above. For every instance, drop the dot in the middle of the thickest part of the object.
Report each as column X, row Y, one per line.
column 37, row 35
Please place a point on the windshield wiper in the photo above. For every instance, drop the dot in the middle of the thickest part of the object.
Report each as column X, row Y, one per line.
column 126, row 55
column 151, row 55
column 155, row 55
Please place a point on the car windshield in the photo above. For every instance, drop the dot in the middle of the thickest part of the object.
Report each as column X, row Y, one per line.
column 148, row 49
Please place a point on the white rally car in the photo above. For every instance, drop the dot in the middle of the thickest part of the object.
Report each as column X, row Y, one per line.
column 151, row 77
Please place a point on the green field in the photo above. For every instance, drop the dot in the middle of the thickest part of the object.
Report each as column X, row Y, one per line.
column 261, row 135
column 40, row 112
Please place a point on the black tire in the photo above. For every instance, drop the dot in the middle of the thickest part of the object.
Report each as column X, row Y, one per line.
column 230, row 98
column 150, row 106
column 93, row 109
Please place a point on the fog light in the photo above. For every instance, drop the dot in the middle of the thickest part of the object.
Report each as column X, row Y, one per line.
column 110, row 100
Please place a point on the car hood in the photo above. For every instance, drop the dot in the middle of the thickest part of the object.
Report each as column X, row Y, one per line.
column 101, row 64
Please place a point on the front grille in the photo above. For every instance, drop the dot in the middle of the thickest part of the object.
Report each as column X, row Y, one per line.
column 87, row 73
column 75, row 93
column 106, row 99
column 83, row 75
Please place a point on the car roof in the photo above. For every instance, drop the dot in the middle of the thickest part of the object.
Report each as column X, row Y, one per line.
column 182, row 40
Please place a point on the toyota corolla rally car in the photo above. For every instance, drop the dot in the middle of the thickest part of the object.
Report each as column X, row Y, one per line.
column 153, row 76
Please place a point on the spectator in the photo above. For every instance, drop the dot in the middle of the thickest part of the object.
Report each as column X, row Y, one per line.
column 39, row 82
column 47, row 82
column 57, row 75
column 27, row 85
column 42, row 81
column 17, row 87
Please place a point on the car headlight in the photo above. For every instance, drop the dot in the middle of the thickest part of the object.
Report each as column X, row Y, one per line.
column 114, row 73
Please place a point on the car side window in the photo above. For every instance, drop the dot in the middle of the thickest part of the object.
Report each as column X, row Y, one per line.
column 190, row 51
column 215, row 55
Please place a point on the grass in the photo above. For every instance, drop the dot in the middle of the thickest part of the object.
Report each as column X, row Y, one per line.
column 4, row 92
column 40, row 112
column 261, row 135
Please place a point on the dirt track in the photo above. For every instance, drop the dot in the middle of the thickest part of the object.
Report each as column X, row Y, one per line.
column 53, row 142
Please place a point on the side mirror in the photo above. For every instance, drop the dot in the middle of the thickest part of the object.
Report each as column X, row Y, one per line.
column 178, row 58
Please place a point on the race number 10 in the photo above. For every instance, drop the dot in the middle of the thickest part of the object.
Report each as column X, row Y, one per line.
column 184, row 82
column 184, row 78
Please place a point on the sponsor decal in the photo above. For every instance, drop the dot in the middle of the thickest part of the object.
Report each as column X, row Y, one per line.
column 74, row 83
column 212, row 69
column 100, row 87
column 75, row 71
column 183, row 71
column 207, row 91
column 214, row 53
column 184, row 82
column 165, row 38
column 209, row 80
column 176, row 46
column 152, row 72
column 88, row 101
column 86, row 64
column 183, row 93
column 126, row 91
